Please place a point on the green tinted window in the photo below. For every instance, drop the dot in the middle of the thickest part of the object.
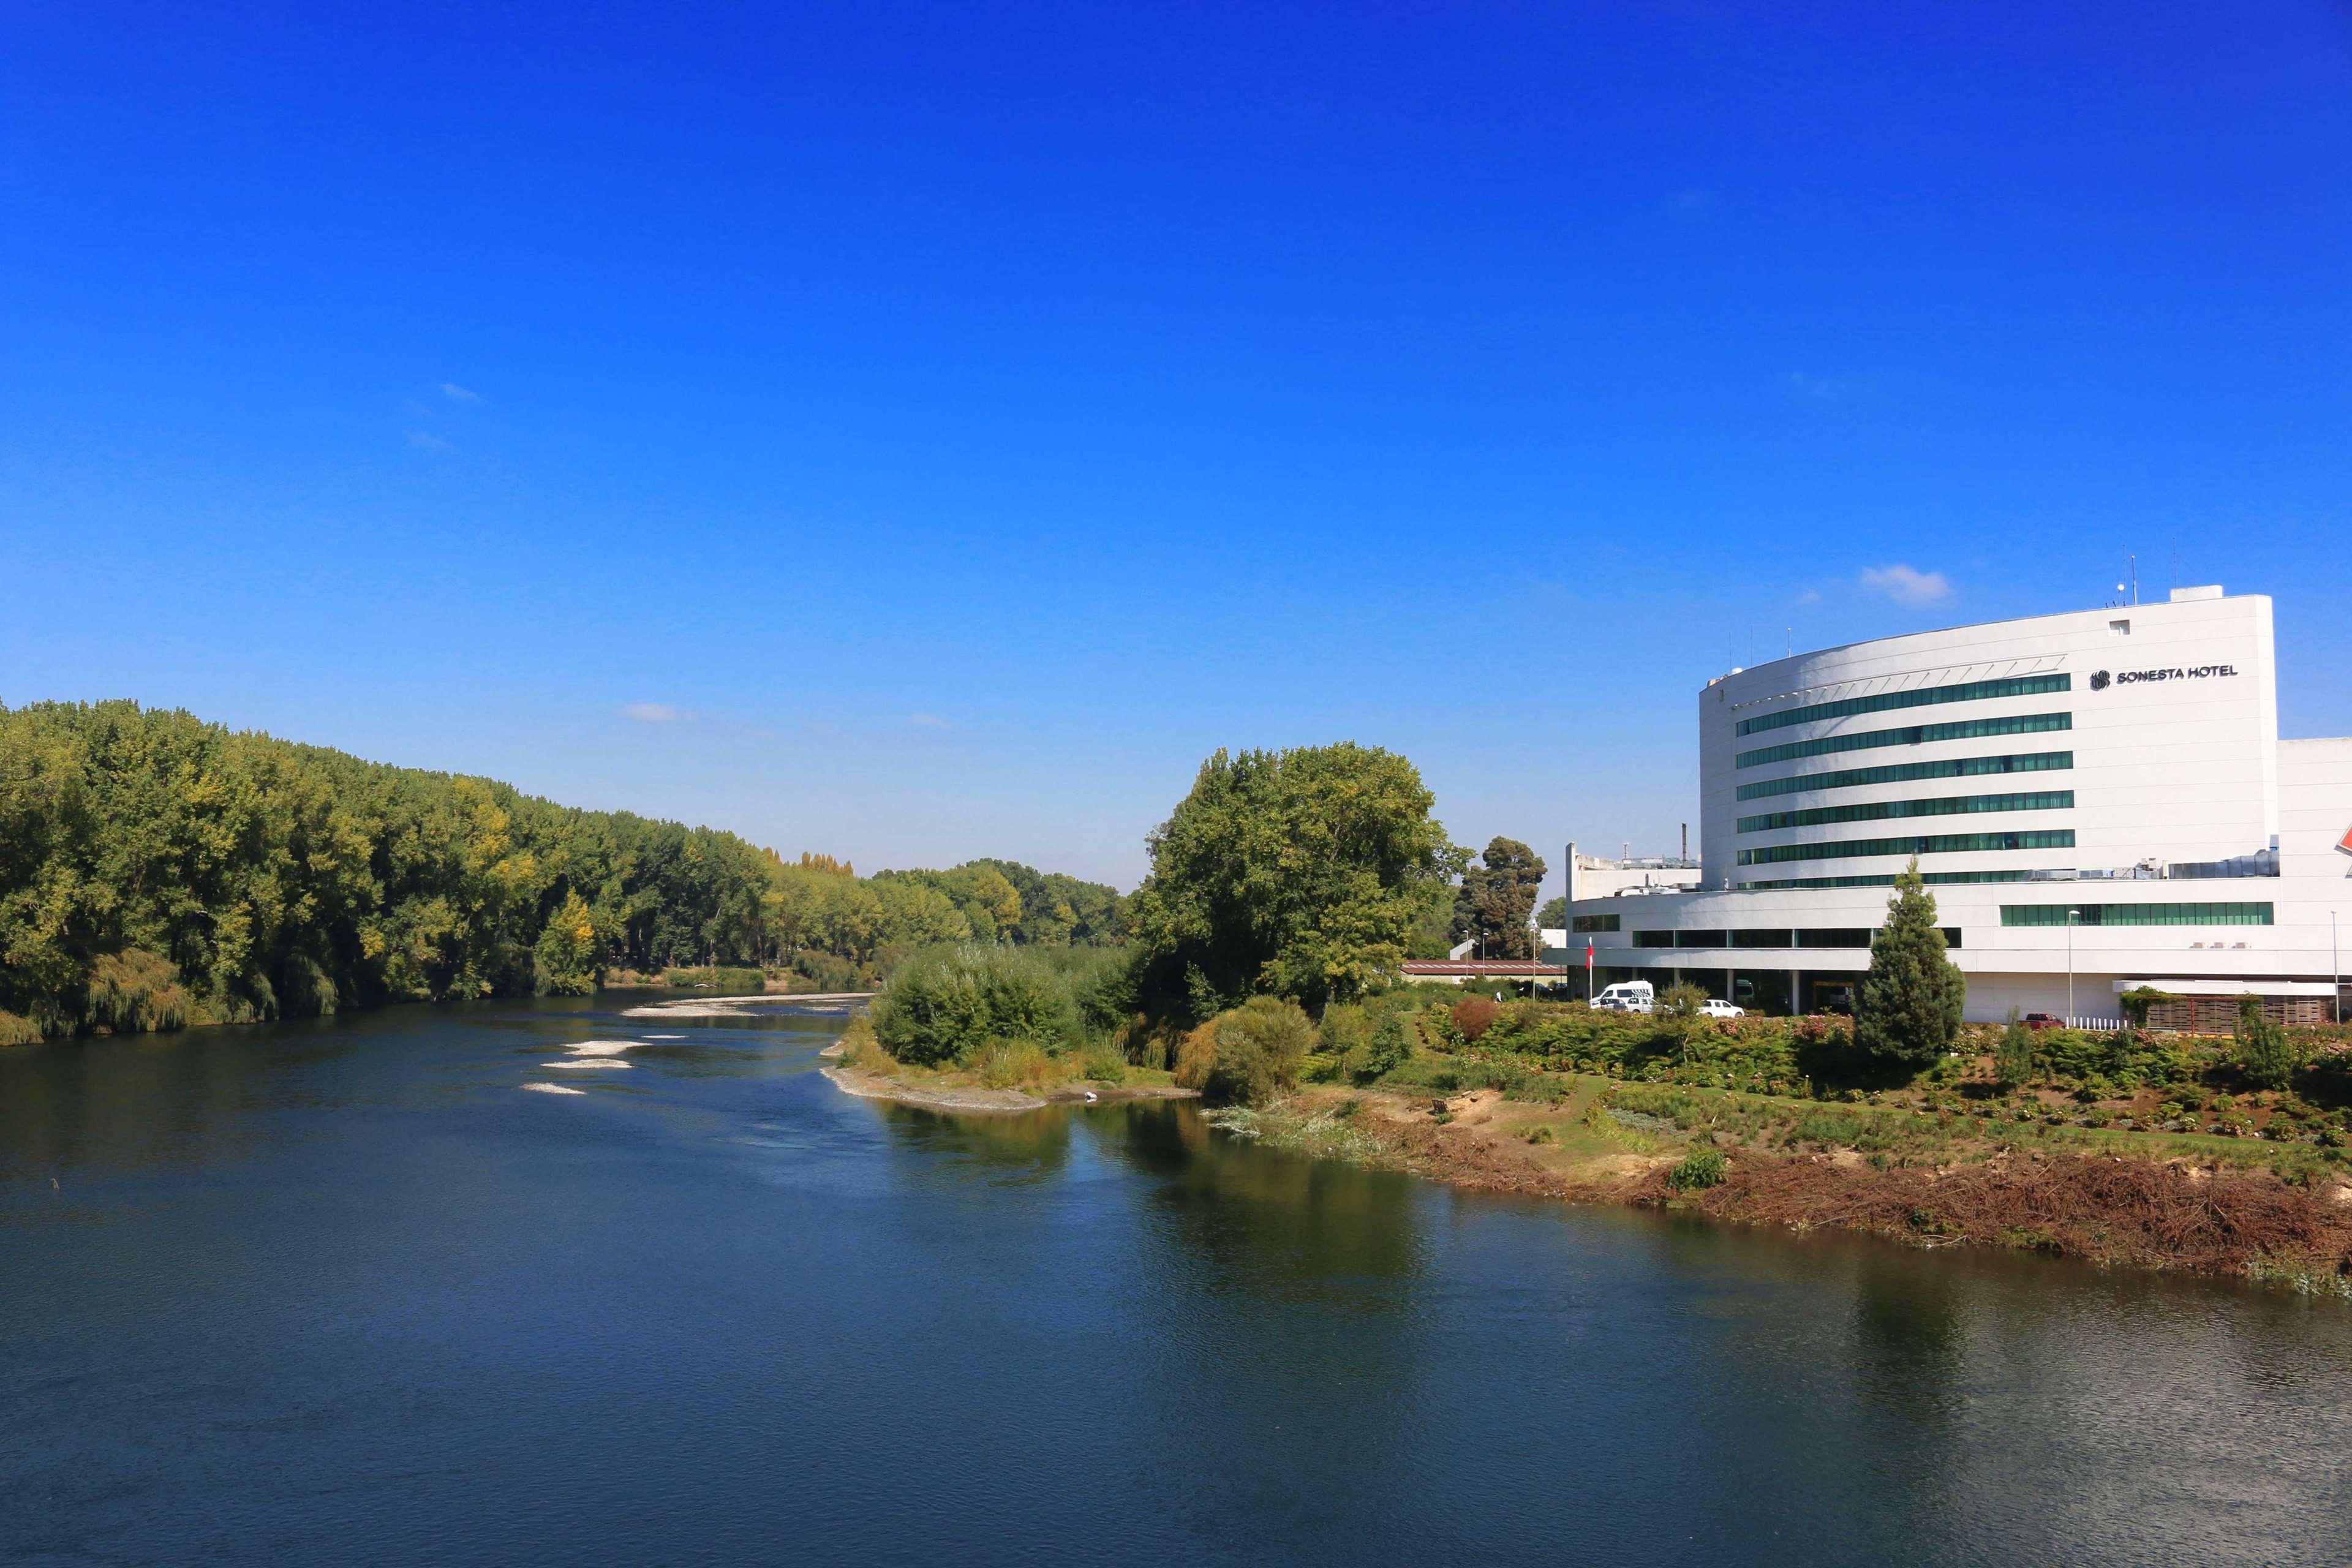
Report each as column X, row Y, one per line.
column 1886, row 879
column 1592, row 922
column 1924, row 697
column 2168, row 914
column 1909, row 772
column 1925, row 844
column 1878, row 811
column 1908, row 735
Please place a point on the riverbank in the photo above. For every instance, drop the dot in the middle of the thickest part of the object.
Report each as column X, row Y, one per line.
column 2114, row 1199
column 946, row 1094
column 750, row 1005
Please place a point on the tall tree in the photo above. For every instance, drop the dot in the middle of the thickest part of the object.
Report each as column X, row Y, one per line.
column 1908, row 1012
column 1493, row 905
column 1300, row 873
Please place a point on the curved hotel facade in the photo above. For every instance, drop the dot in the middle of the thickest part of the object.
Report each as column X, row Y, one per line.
column 2100, row 795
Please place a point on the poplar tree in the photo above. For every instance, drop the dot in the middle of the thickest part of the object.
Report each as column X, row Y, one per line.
column 1908, row 1013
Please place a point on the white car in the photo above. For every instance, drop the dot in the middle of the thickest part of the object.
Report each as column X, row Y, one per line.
column 1625, row 1004
column 1716, row 1008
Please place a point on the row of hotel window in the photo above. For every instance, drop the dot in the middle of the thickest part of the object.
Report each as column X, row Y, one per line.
column 1924, row 844
column 2102, row 915
column 1922, row 696
column 1941, row 805
column 1772, row 937
column 1908, row 735
column 1910, row 773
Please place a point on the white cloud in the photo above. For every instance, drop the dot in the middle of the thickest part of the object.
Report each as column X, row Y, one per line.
column 456, row 393
column 425, row 441
column 1907, row 585
column 928, row 721
column 1808, row 388
column 1809, row 597
column 655, row 713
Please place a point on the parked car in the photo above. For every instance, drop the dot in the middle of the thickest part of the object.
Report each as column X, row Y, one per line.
column 1627, row 996
column 2040, row 1021
column 1716, row 1008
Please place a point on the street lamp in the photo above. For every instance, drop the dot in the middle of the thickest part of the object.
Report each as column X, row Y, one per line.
column 2070, row 966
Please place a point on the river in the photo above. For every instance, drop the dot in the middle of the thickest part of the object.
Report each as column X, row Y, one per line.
column 345, row 1291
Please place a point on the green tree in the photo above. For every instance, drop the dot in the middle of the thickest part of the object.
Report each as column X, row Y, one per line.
column 1907, row 1013
column 2265, row 1053
column 1493, row 905
column 566, row 956
column 1300, row 873
column 2012, row 1059
column 1553, row 916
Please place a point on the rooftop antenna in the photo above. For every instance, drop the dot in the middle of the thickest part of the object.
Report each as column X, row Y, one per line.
column 1790, row 648
column 2135, row 576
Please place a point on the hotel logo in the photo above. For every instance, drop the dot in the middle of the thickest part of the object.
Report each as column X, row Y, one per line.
column 2099, row 678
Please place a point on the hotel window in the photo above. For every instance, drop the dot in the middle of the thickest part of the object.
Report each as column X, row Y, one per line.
column 1921, row 697
column 1910, row 773
column 1932, row 879
column 1943, row 805
column 1653, row 939
column 1908, row 735
column 1702, row 939
column 1581, row 923
column 1762, row 937
column 2185, row 914
column 1925, row 844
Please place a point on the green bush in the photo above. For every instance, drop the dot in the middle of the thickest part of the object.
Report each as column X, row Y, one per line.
column 1389, row 1046
column 824, row 970
column 2265, row 1054
column 2012, row 1059
column 17, row 1031
column 943, row 1005
column 1260, row 1046
column 1700, row 1168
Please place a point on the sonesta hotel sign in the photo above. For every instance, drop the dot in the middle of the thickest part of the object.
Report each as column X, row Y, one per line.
column 2100, row 679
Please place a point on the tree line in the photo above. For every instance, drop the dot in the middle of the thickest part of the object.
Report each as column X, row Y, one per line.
column 156, row 869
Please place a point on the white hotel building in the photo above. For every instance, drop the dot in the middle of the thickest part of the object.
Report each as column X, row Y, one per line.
column 2101, row 796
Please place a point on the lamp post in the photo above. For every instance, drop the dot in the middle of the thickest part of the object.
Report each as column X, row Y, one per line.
column 2335, row 964
column 2070, row 966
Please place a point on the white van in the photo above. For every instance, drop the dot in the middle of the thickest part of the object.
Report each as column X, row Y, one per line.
column 1628, row 996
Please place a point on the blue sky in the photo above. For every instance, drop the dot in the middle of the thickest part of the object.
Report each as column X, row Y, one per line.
column 915, row 432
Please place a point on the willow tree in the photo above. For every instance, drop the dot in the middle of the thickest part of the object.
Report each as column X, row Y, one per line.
column 1908, row 1013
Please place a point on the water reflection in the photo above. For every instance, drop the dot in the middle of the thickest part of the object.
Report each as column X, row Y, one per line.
column 439, row 1317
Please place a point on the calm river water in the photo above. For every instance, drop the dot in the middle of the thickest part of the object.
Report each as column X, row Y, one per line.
column 344, row 1292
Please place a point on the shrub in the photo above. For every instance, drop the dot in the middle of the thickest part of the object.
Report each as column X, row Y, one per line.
column 942, row 1006
column 2265, row 1054
column 1473, row 1017
column 1009, row 1064
column 1700, row 1168
column 1389, row 1048
column 824, row 970
column 2012, row 1059
column 17, row 1031
column 1259, row 1048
